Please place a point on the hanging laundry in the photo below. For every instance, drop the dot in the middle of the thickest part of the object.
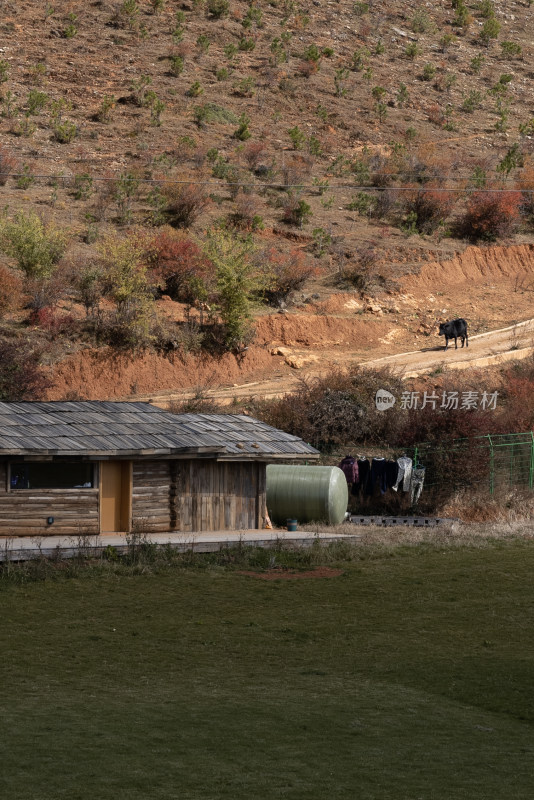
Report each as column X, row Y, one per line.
column 404, row 475
column 416, row 485
column 364, row 468
column 377, row 475
column 392, row 471
column 349, row 467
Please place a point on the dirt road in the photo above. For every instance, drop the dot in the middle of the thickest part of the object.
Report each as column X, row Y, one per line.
column 486, row 349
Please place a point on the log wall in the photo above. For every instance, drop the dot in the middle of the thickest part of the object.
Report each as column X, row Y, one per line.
column 24, row 513
column 151, row 508
column 190, row 495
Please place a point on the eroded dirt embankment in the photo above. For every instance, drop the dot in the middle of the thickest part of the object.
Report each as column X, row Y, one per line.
column 477, row 265
column 491, row 287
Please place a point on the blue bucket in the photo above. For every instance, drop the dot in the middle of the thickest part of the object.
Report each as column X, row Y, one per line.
column 292, row 524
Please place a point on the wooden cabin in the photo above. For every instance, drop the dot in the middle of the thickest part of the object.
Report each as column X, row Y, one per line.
column 85, row 468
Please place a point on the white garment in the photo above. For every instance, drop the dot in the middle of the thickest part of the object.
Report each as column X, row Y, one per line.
column 404, row 475
column 416, row 486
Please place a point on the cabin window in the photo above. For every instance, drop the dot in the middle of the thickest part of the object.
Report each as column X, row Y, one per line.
column 51, row 475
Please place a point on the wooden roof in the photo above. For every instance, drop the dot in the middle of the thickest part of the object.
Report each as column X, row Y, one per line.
column 102, row 428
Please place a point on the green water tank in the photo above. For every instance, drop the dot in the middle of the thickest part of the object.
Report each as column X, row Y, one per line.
column 306, row 494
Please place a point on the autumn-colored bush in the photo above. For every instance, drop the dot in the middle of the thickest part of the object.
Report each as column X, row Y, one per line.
column 284, row 273
column 338, row 410
column 431, row 206
column 10, row 290
column 185, row 203
column 253, row 154
column 490, row 215
column 53, row 323
column 180, row 266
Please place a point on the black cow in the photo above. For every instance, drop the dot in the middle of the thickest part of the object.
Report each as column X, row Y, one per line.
column 455, row 329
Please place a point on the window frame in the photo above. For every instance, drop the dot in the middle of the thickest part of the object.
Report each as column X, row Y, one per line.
column 92, row 464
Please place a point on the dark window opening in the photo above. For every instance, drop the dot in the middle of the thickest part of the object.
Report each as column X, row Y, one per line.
column 51, row 475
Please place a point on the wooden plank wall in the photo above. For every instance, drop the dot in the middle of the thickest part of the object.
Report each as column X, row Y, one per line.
column 24, row 513
column 215, row 496
column 151, row 507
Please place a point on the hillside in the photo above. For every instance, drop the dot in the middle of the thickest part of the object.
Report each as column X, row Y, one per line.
column 347, row 140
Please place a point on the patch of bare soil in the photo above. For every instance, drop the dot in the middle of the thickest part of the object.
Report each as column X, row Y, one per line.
column 289, row 575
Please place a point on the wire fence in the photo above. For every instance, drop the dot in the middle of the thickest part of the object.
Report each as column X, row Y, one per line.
column 490, row 462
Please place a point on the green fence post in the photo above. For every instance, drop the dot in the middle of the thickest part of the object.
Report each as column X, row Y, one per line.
column 492, row 466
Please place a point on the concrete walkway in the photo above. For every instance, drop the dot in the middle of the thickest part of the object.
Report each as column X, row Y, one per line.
column 24, row 548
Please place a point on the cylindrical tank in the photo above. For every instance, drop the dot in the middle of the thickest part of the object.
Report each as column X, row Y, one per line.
column 307, row 494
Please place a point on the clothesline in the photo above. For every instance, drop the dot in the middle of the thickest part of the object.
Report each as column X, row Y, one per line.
column 364, row 476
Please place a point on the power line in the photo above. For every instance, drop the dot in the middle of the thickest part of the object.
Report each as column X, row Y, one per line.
column 259, row 186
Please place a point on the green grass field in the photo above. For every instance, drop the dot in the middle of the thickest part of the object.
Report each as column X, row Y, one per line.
column 409, row 676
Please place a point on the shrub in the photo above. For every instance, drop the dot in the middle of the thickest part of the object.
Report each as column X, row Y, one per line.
column 246, row 45
column 490, row 30
column 83, row 186
column 36, row 246
column 477, row 63
column 218, row 8
column 297, row 137
column 363, row 270
column 103, row 114
column 89, row 283
column 242, row 132
column 180, row 267
column 10, row 290
column 284, row 273
column 245, row 216
column 36, row 101
column 490, row 215
column 139, row 87
column 21, row 377
column 195, row 90
column 472, row 101
column 511, row 49
column 338, row 410
column 65, row 131
column 185, row 203
column 177, row 65
column 297, row 212
column 430, row 206
column 125, row 190
column 254, row 153
column 412, row 50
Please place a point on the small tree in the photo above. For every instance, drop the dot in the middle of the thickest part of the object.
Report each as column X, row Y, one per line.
column 127, row 285
column 236, row 281
column 490, row 30
column 36, row 246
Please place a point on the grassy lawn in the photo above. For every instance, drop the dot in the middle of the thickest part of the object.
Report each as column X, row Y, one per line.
column 409, row 676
